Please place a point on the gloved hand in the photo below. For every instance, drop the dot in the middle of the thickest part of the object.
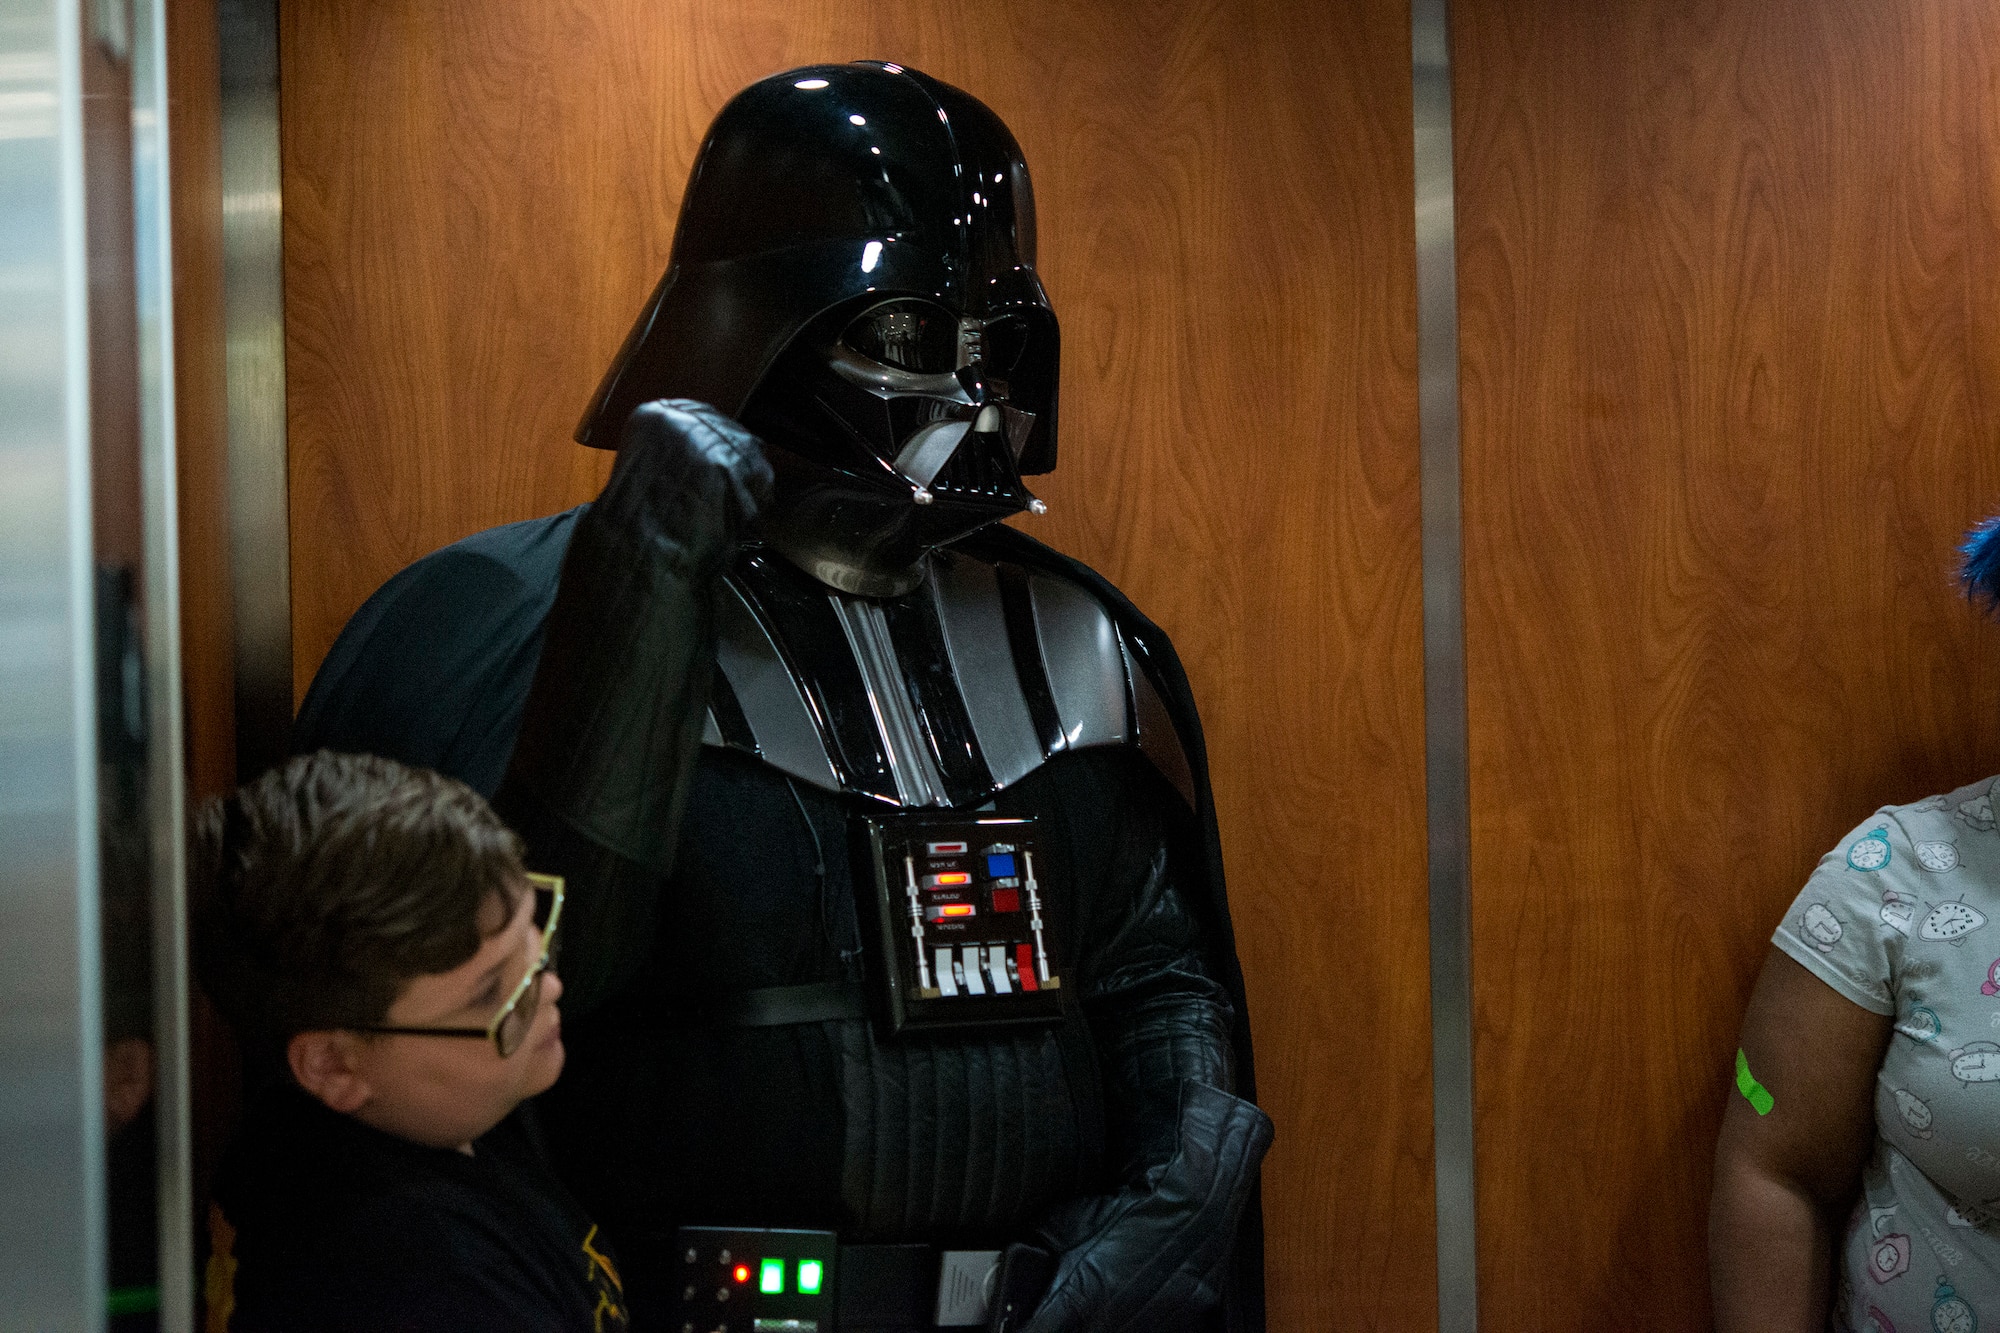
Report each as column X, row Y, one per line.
column 688, row 480
column 613, row 720
column 1153, row 1258
column 1153, row 1254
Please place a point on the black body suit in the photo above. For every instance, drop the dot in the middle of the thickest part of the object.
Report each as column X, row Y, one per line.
column 875, row 317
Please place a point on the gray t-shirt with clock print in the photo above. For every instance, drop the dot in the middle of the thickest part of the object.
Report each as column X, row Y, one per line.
column 1903, row 918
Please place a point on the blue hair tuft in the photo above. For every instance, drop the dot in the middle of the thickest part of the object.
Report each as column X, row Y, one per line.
column 1979, row 571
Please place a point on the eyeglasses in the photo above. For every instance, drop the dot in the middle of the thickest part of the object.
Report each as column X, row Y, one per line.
column 510, row 1026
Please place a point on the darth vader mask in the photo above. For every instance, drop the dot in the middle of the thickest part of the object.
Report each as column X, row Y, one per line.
column 853, row 278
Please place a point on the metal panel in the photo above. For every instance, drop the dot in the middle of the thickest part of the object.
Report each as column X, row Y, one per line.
column 917, row 778
column 975, row 636
column 52, row 1254
column 254, row 328
column 1446, row 756
column 780, row 717
column 166, row 796
column 1085, row 663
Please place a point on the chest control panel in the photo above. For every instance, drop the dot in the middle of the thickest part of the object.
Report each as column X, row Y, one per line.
column 964, row 917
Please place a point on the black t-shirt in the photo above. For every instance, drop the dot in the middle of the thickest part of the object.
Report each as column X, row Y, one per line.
column 325, row 1225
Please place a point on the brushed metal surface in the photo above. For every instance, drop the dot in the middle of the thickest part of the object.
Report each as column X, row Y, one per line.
column 1085, row 662
column 780, row 716
column 166, row 785
column 254, row 333
column 52, row 1248
column 917, row 778
column 975, row 636
column 1446, row 754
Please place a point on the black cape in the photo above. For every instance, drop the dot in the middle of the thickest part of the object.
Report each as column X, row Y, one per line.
column 434, row 670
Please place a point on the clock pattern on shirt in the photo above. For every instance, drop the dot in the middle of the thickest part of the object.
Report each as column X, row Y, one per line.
column 1896, row 919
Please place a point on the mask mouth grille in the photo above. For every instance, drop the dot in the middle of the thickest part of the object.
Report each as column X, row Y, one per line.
column 981, row 468
column 930, row 449
column 953, row 449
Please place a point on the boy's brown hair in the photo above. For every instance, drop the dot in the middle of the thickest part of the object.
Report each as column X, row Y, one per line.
column 322, row 888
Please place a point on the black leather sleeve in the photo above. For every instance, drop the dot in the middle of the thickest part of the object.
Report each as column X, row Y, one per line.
column 613, row 720
column 1157, row 1018
column 1152, row 1254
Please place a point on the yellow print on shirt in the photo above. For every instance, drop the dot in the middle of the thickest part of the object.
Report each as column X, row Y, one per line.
column 219, row 1284
column 610, row 1313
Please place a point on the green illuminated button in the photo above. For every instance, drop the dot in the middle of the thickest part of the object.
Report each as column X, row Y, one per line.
column 811, row 1271
column 771, row 1276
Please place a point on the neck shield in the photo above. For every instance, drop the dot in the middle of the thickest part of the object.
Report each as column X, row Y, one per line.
column 853, row 278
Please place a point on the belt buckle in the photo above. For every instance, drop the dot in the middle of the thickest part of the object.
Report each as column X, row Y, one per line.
column 967, row 1283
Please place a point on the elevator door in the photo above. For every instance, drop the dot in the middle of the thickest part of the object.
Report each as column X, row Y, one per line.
column 1731, row 379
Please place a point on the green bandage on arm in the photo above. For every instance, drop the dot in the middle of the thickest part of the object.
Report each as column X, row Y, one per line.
column 1753, row 1091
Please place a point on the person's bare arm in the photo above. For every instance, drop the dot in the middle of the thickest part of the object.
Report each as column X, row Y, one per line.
column 1784, row 1180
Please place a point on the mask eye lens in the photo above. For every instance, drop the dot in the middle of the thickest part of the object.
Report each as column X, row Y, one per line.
column 910, row 335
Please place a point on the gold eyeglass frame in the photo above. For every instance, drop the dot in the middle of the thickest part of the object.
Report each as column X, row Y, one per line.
column 551, row 884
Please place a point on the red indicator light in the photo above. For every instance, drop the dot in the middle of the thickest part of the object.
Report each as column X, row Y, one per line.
column 951, row 880
column 1006, row 900
column 742, row 1273
column 946, row 849
column 958, row 909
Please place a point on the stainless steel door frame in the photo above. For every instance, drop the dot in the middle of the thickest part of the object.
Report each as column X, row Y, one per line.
column 253, row 309
column 52, row 1246
column 1447, row 762
column 166, row 765
column 54, row 1270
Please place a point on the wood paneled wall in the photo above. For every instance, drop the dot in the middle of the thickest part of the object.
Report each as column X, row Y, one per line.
column 479, row 196
column 1730, row 339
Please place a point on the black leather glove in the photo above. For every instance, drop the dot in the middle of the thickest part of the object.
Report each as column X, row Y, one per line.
column 1152, row 1256
column 613, row 720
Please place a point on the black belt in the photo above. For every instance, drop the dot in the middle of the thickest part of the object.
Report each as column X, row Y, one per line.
column 778, row 1006
column 710, row 1278
column 901, row 1288
column 771, row 1006
column 884, row 1287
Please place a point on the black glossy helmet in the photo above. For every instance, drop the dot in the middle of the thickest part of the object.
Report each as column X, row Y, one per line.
column 853, row 278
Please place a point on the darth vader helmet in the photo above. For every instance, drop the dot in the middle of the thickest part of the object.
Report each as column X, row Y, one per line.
column 853, row 277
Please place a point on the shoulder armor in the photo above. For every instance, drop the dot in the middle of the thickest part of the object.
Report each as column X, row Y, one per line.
column 940, row 697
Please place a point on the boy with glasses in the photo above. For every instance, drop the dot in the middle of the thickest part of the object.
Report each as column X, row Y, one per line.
column 371, row 934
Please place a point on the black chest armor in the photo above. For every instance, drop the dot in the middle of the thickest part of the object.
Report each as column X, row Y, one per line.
column 939, row 697
column 986, row 688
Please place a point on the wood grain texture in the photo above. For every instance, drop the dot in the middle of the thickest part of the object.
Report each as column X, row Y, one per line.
column 1730, row 303
column 479, row 196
